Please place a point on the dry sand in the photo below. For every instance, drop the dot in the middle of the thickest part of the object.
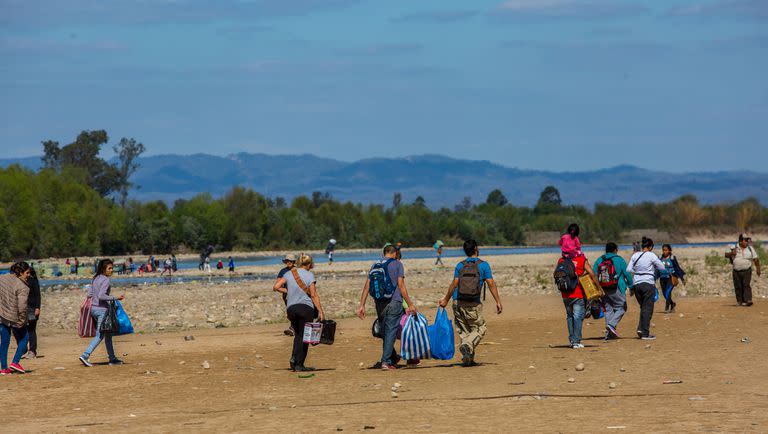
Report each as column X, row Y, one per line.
column 522, row 384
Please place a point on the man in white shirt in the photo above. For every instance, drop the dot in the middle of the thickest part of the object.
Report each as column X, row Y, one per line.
column 743, row 257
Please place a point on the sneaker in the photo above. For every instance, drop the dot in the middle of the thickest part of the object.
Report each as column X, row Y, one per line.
column 376, row 365
column 612, row 332
column 288, row 331
column 466, row 355
column 303, row 369
column 5, row 372
column 639, row 334
column 396, row 359
column 30, row 355
column 388, row 367
column 749, row 303
column 15, row 367
column 85, row 362
column 649, row 338
column 115, row 362
column 577, row 346
column 412, row 363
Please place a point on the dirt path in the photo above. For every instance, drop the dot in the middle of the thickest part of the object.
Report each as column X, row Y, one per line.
column 522, row 384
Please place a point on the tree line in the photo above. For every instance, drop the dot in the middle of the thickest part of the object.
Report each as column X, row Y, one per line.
column 77, row 205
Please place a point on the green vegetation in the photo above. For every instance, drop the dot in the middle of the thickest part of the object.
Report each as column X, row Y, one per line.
column 77, row 206
column 715, row 259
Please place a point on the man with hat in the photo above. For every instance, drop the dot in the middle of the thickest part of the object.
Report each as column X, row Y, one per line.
column 742, row 257
column 290, row 261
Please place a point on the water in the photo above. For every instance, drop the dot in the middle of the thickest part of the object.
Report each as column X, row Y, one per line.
column 369, row 256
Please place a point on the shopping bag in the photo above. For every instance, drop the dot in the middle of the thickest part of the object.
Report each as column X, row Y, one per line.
column 328, row 333
column 312, row 331
column 124, row 326
column 414, row 343
column 441, row 336
column 85, row 327
column 109, row 324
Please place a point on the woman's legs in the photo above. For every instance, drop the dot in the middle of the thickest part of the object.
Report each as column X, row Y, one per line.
column 666, row 288
column 299, row 314
column 98, row 315
column 5, row 342
column 32, row 327
column 21, row 334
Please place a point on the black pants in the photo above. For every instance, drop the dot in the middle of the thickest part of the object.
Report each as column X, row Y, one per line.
column 299, row 314
column 741, row 284
column 645, row 293
column 380, row 305
column 32, row 328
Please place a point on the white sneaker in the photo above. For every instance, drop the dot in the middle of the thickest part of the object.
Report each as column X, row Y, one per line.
column 576, row 346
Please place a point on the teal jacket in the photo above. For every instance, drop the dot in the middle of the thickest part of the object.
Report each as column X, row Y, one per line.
column 625, row 280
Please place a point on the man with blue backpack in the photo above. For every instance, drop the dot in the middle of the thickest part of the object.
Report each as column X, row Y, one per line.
column 386, row 285
column 469, row 278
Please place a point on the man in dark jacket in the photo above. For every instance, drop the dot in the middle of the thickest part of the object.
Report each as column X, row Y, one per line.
column 33, row 303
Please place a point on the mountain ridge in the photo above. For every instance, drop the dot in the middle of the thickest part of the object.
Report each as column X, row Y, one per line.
column 441, row 180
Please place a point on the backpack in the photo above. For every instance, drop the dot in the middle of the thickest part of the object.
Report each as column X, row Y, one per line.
column 381, row 286
column 565, row 276
column 470, row 283
column 606, row 273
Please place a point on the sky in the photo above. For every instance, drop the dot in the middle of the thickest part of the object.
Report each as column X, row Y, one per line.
column 674, row 85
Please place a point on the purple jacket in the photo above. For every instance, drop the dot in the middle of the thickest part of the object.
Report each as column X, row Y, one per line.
column 99, row 292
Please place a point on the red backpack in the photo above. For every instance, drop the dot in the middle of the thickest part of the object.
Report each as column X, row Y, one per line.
column 606, row 273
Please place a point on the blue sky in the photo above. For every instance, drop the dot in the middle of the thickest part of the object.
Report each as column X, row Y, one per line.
column 676, row 85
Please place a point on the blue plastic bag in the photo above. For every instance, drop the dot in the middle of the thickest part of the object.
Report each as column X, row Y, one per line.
column 441, row 336
column 124, row 325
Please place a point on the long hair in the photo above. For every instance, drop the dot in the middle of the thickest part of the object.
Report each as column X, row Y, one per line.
column 573, row 230
column 102, row 267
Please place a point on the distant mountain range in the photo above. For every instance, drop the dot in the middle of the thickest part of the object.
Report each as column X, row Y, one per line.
column 440, row 180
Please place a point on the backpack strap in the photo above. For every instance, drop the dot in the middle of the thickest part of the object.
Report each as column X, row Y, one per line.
column 299, row 282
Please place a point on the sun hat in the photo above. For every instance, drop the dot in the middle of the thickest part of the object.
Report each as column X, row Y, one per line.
column 289, row 257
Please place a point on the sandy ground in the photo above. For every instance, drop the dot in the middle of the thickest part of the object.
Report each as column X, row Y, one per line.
column 522, row 384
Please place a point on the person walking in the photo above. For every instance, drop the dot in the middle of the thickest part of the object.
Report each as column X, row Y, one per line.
column 299, row 285
column 289, row 260
column 438, row 252
column 670, row 277
column 743, row 257
column 574, row 299
column 33, row 313
column 207, row 266
column 611, row 272
column 329, row 250
column 644, row 266
column 389, row 310
column 14, row 294
column 99, row 293
column 469, row 278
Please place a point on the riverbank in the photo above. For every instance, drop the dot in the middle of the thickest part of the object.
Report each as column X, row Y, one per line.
column 198, row 302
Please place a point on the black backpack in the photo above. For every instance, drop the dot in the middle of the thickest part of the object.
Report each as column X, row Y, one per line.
column 565, row 276
column 470, row 283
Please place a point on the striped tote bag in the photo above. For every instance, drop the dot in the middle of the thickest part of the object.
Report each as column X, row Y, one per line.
column 414, row 343
column 85, row 327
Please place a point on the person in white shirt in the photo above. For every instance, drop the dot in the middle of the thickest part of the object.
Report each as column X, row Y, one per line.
column 644, row 266
column 743, row 256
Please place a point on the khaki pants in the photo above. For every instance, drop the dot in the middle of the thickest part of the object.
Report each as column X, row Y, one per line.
column 470, row 323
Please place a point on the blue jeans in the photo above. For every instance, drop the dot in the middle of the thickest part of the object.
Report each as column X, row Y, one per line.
column 574, row 316
column 389, row 320
column 21, row 335
column 99, row 315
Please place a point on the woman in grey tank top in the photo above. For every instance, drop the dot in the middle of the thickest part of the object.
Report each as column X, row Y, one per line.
column 302, row 302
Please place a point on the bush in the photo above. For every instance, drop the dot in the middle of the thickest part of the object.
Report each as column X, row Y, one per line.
column 715, row 259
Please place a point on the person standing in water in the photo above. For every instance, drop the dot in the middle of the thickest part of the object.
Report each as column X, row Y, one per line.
column 670, row 277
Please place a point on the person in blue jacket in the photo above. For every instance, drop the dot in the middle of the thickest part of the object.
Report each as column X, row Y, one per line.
column 614, row 282
column 670, row 277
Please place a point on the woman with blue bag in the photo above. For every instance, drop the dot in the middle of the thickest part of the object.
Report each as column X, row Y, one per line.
column 99, row 295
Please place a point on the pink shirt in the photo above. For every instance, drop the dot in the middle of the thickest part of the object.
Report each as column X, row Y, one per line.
column 571, row 246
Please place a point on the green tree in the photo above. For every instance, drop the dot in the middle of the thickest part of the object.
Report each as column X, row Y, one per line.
column 127, row 151
column 496, row 197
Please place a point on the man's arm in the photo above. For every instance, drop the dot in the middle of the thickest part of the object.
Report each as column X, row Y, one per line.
column 406, row 297
column 495, row 293
column 757, row 265
column 363, row 299
column 452, row 287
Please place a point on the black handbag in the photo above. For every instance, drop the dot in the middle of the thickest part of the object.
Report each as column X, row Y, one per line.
column 328, row 333
column 109, row 324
